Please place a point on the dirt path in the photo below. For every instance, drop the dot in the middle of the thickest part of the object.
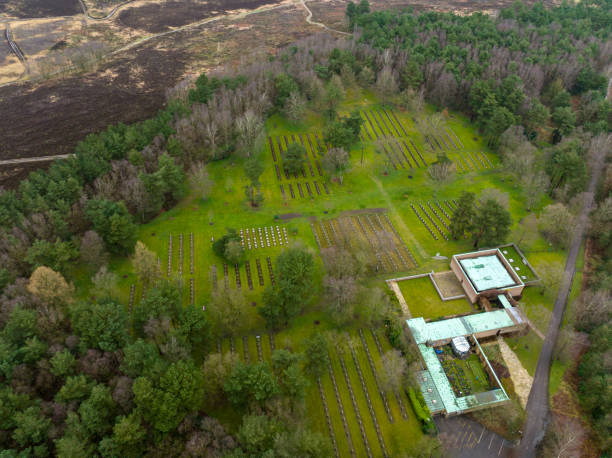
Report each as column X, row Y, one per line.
column 520, row 377
column 400, row 297
column 102, row 18
column 26, row 160
column 537, row 405
column 534, row 329
column 310, row 21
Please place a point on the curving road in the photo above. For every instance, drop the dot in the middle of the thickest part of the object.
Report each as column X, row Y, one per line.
column 537, row 404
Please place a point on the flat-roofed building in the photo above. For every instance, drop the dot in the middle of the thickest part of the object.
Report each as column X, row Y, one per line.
column 486, row 272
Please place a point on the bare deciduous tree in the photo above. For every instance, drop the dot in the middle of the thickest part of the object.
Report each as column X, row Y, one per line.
column 564, row 437
column 105, row 282
column 200, row 180
column 394, row 370
column 249, row 127
column 217, row 368
column 386, row 84
column 92, row 249
column 50, row 286
column 592, row 308
column 412, row 100
column 494, row 194
column 227, row 310
column 341, row 294
column 295, row 106
column 551, row 275
column 336, row 162
column 145, row 265
column 556, row 224
column 535, row 182
column 442, row 171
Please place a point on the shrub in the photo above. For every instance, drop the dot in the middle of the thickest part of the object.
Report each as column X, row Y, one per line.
column 421, row 411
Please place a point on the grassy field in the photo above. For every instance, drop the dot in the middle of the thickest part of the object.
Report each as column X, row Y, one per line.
column 372, row 183
column 423, row 300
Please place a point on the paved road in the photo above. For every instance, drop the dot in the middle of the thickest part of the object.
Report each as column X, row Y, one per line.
column 537, row 403
column 466, row 438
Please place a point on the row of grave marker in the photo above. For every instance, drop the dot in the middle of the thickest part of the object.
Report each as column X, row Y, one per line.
column 238, row 278
column 249, row 237
column 396, row 154
column 377, row 228
column 393, row 120
column 439, row 141
column 471, row 161
column 279, row 175
column 308, row 145
column 443, row 221
column 287, row 189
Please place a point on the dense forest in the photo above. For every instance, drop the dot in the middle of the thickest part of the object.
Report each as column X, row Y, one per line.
column 80, row 376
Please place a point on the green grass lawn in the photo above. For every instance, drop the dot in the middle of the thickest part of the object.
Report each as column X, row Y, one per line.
column 423, row 300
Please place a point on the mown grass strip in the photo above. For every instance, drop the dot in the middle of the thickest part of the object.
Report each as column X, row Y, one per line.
column 375, row 406
column 368, row 435
column 350, row 426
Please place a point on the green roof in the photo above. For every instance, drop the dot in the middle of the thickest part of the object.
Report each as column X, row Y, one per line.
column 487, row 272
column 447, row 329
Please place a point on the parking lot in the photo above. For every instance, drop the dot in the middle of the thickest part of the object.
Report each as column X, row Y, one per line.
column 463, row 437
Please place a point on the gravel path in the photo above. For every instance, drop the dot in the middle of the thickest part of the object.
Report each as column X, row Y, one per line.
column 520, row 377
column 400, row 297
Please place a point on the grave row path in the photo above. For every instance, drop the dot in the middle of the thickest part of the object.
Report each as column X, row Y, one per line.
column 385, row 125
column 239, row 275
column 435, row 215
column 372, row 335
column 378, row 232
column 313, row 146
column 304, row 186
column 470, row 161
column 377, row 119
column 381, row 124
